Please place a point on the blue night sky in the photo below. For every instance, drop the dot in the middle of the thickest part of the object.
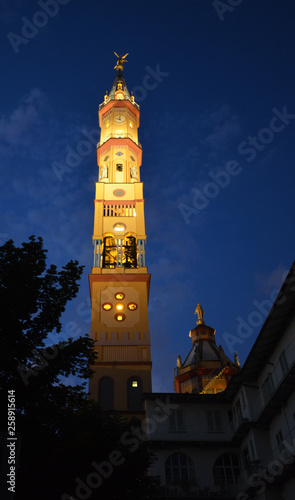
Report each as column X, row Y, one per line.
column 215, row 82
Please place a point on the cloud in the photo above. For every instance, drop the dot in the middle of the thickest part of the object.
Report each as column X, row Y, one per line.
column 225, row 127
column 33, row 200
column 14, row 128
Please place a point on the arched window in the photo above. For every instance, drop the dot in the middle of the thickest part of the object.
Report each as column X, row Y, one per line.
column 106, row 393
column 119, row 252
column 129, row 252
column 109, row 254
column 226, row 469
column 179, row 467
column 134, row 390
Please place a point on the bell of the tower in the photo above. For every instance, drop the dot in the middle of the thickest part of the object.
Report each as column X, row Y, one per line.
column 119, row 282
column 206, row 369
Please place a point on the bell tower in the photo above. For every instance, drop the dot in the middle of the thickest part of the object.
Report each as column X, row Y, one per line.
column 119, row 281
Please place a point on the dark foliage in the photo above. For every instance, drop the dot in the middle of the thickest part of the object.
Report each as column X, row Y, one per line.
column 61, row 433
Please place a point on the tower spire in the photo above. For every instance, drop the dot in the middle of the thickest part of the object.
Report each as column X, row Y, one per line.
column 119, row 90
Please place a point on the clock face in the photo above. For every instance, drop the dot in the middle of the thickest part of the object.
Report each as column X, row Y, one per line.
column 119, row 119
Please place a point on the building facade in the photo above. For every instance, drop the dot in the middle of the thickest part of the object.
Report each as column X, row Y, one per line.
column 227, row 432
column 119, row 281
column 239, row 443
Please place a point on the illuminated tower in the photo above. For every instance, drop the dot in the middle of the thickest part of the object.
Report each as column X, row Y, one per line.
column 206, row 368
column 119, row 282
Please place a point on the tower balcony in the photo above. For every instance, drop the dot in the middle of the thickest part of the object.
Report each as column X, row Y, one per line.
column 115, row 253
column 117, row 136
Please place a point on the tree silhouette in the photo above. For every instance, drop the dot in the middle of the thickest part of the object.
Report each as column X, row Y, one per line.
column 60, row 432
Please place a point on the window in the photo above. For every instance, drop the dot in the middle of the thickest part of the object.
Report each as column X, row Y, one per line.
column 120, row 307
column 107, row 306
column 106, row 393
column 226, row 469
column 120, row 317
column 251, row 448
column 176, row 421
column 243, row 399
column 230, row 416
column 239, row 412
column 283, row 363
column 109, row 259
column 179, row 467
column 246, row 457
column 119, row 167
column 280, row 440
column 134, row 389
column 119, row 209
column 119, row 252
column 132, row 306
column 214, row 421
column 267, row 388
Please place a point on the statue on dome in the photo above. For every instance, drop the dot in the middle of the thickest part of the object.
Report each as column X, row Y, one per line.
column 237, row 361
column 200, row 312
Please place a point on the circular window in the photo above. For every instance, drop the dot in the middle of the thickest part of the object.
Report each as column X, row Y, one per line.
column 119, row 226
column 120, row 296
column 120, row 317
column 132, row 306
column 120, row 307
column 107, row 306
column 119, row 192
